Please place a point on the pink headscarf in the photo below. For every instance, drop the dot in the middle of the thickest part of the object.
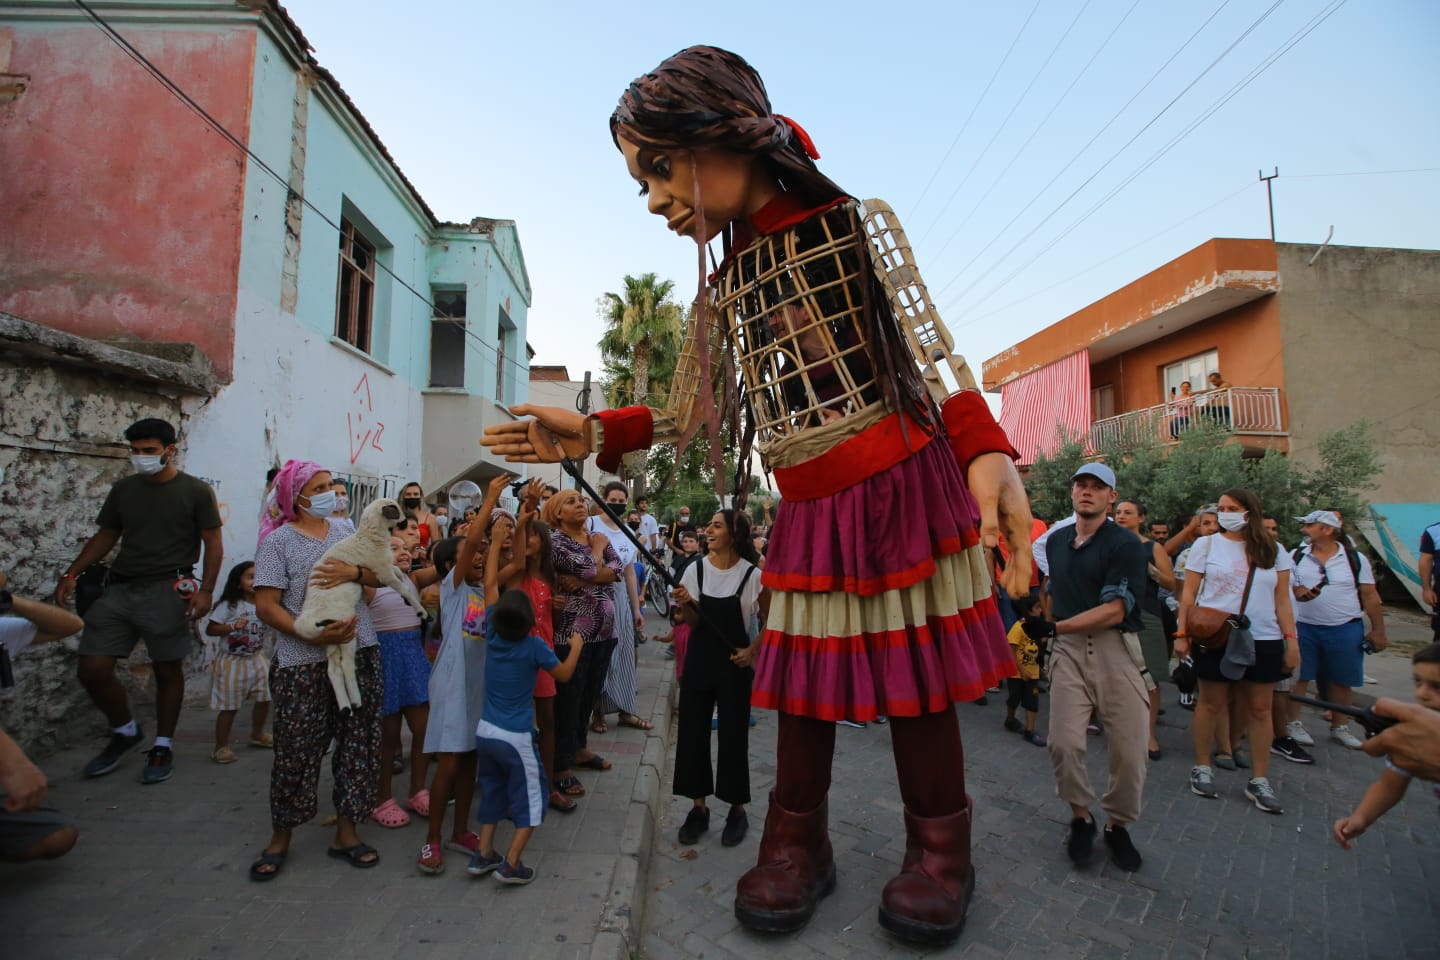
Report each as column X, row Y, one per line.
column 279, row 506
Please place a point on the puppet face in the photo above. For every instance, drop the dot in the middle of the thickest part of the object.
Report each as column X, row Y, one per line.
column 731, row 186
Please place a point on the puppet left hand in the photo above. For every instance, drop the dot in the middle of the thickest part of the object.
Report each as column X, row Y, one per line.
column 1004, row 511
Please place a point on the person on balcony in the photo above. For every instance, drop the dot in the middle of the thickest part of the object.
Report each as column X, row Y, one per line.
column 1217, row 408
column 1183, row 405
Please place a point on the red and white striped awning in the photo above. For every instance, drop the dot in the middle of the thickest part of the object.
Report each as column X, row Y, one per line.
column 1035, row 409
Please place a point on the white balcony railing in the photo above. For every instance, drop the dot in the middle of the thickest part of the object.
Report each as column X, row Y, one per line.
column 1248, row 411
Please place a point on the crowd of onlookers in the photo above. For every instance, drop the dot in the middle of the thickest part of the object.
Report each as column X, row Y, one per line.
column 524, row 643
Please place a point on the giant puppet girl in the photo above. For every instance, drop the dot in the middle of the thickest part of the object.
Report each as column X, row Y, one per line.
column 881, row 597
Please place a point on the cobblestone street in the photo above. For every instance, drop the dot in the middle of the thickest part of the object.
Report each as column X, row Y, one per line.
column 1220, row 879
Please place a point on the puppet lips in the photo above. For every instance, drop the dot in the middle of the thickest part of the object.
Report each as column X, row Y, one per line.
column 681, row 224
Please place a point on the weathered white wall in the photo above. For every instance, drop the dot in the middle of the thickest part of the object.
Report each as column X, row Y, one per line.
column 298, row 396
column 61, row 448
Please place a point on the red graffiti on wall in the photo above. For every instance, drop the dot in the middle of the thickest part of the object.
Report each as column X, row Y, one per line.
column 363, row 427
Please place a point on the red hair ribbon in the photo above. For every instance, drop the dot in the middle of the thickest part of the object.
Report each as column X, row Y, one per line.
column 801, row 135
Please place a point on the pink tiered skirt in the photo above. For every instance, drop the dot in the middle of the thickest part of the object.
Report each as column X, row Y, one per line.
column 881, row 598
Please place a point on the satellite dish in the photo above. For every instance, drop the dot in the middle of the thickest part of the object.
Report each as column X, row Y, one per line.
column 464, row 495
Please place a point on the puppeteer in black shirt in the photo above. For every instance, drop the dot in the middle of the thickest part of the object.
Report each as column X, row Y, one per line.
column 1110, row 564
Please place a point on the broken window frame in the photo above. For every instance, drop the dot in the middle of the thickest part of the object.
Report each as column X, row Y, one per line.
column 355, row 287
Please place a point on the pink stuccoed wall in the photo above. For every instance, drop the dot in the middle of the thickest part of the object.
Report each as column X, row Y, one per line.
column 120, row 210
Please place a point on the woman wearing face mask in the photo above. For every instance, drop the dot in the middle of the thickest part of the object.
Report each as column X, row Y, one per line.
column 619, row 689
column 295, row 532
column 1216, row 575
column 412, row 499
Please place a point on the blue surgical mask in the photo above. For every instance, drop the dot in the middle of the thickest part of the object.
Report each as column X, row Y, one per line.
column 342, row 503
column 147, row 465
column 322, row 504
column 1232, row 521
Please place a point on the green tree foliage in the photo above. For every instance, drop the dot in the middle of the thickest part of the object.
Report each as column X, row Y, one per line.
column 1173, row 480
column 640, row 345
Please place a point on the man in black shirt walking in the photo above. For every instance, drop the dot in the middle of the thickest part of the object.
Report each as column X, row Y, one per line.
column 1097, row 575
column 160, row 517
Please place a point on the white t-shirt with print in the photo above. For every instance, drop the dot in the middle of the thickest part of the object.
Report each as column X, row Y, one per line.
column 624, row 549
column 249, row 639
column 1223, row 563
column 1338, row 602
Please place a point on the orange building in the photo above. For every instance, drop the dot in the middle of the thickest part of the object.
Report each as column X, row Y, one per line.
column 1306, row 340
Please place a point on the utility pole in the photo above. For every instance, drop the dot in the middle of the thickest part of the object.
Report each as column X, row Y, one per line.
column 582, row 403
column 1270, row 196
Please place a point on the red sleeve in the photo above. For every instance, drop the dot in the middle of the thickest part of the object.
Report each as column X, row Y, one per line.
column 626, row 429
column 972, row 428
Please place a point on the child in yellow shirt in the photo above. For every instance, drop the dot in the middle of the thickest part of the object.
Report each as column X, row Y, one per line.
column 1024, row 690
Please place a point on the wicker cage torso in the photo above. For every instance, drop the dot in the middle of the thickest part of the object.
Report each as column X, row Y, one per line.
column 793, row 304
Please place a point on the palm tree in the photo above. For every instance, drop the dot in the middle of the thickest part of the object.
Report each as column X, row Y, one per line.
column 641, row 340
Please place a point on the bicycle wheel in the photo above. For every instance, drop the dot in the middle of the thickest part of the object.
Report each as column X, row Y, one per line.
column 658, row 591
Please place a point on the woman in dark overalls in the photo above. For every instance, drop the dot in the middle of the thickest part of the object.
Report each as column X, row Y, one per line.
column 721, row 598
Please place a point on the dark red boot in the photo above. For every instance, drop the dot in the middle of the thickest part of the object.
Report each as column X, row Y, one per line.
column 795, row 869
column 926, row 903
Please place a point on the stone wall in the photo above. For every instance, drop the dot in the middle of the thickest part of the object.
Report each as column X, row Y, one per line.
column 65, row 402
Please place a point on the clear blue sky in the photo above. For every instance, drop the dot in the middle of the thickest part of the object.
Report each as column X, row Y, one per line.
column 500, row 111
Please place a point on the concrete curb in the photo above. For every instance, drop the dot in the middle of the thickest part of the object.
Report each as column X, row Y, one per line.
column 622, row 918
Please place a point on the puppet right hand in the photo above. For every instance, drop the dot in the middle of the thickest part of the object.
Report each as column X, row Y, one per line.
column 555, row 432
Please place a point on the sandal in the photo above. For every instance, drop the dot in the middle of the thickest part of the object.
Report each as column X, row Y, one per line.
column 356, row 855
column 265, row 741
column 562, row 803
column 596, row 762
column 389, row 815
column 419, row 803
column 570, row 786
column 223, row 755
column 430, row 862
column 598, row 725
column 630, row 720
column 272, row 860
column 468, row 843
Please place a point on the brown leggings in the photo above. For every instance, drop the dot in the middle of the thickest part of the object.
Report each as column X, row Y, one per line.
column 929, row 762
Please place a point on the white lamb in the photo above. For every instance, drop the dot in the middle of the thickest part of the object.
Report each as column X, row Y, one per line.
column 368, row 547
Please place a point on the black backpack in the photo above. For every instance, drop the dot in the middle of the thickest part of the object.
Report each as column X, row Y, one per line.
column 1351, row 557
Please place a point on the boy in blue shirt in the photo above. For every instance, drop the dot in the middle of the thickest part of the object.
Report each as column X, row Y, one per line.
column 509, row 771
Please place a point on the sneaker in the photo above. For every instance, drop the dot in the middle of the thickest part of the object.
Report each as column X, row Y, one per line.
column 736, row 823
column 1013, row 724
column 1370, row 679
column 517, row 875
column 480, row 864
column 1122, row 850
column 1263, row 796
column 159, row 765
column 1202, row 782
column 1297, row 732
column 1242, row 756
column 1287, row 747
column 1030, row 736
column 1082, row 840
column 697, row 821
column 1225, row 761
column 857, row 724
column 114, row 752
column 1187, row 701
column 1343, row 736
column 880, row 721
column 981, row 701
column 1094, row 729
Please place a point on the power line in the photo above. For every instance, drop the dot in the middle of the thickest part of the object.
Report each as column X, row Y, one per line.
column 1151, row 122
column 1079, row 153
column 1114, row 256
column 978, row 100
column 1361, row 173
column 240, row 145
column 1210, row 111
column 1008, row 116
column 1038, row 127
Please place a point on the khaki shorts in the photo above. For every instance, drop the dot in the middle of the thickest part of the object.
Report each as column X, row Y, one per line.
column 138, row 609
column 21, row 831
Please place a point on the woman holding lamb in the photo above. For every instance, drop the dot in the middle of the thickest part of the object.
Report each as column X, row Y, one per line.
column 295, row 532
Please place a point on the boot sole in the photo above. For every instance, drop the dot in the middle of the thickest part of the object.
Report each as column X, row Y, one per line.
column 928, row 934
column 785, row 921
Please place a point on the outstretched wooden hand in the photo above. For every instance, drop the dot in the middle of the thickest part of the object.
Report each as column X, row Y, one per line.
column 553, row 433
column 1004, row 511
